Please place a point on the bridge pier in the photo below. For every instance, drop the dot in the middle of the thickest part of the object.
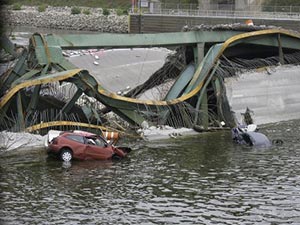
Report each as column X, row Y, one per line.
column 200, row 52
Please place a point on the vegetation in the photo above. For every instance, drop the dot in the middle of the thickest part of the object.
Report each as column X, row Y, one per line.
column 17, row 6
column 105, row 12
column 120, row 12
column 75, row 10
column 86, row 12
column 42, row 8
column 125, row 12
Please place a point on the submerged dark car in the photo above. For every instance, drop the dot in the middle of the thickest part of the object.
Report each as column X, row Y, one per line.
column 84, row 145
column 248, row 135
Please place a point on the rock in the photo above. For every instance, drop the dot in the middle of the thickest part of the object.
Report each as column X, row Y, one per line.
column 61, row 18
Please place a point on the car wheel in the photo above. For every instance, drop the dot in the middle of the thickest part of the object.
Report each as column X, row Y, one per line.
column 66, row 155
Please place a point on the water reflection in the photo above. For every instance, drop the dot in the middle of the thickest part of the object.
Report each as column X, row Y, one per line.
column 205, row 179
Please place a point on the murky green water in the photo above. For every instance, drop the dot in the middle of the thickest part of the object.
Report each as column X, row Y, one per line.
column 205, row 179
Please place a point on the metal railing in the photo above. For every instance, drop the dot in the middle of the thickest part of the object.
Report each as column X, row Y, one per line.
column 224, row 13
column 249, row 11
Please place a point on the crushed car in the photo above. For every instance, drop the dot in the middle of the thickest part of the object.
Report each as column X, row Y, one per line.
column 69, row 145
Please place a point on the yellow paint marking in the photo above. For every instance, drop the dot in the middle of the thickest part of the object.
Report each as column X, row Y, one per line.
column 63, row 123
column 42, row 80
column 226, row 44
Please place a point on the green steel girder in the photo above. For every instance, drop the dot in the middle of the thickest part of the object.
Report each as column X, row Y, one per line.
column 69, row 105
column 131, row 116
column 20, row 111
column 41, row 57
column 17, row 72
column 204, row 120
column 43, row 53
column 106, row 40
column 25, row 76
column 8, row 46
column 34, row 99
column 54, row 55
column 199, row 52
column 36, row 92
column 217, row 85
column 271, row 40
column 47, row 51
column 41, row 50
column 204, row 67
column 280, row 50
column 181, row 82
column 3, row 111
column 202, row 99
column 66, row 65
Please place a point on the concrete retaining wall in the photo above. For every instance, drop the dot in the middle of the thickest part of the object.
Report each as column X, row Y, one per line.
column 160, row 23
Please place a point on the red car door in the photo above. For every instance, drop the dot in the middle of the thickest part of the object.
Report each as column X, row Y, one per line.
column 96, row 150
column 79, row 150
column 77, row 144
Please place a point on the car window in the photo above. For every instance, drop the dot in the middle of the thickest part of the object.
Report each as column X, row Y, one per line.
column 75, row 138
column 100, row 142
column 90, row 141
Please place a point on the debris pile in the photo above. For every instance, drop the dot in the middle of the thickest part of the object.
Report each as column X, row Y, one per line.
column 163, row 132
column 190, row 85
column 228, row 27
column 12, row 141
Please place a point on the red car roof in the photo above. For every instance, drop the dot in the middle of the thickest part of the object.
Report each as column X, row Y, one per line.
column 84, row 133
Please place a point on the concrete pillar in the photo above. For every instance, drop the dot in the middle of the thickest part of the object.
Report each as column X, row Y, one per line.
column 204, row 110
column 200, row 52
column 280, row 53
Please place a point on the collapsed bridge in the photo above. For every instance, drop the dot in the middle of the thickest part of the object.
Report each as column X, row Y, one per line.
column 43, row 89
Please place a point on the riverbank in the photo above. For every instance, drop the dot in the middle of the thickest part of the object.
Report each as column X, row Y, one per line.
column 61, row 18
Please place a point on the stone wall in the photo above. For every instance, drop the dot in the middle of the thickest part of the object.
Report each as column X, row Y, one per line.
column 61, row 18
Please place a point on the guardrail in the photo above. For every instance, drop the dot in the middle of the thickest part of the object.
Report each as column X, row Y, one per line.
column 224, row 13
column 222, row 10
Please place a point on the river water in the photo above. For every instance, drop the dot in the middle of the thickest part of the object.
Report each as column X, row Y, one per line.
column 202, row 179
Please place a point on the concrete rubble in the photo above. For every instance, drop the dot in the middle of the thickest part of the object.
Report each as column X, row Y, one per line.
column 12, row 141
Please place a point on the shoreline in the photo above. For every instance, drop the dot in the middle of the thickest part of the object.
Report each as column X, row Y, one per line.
column 60, row 18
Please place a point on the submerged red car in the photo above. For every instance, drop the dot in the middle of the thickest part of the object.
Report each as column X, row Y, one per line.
column 84, row 145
